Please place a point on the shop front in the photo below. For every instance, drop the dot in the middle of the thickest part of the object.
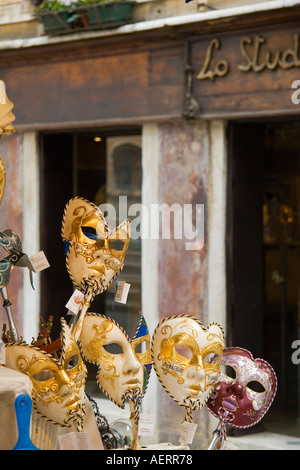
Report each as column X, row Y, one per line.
column 204, row 114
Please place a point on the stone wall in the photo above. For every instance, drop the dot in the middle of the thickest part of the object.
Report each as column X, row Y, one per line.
column 182, row 274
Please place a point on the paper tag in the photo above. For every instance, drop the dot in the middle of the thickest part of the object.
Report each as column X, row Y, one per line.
column 225, row 445
column 39, row 261
column 146, row 425
column 122, row 292
column 74, row 441
column 2, row 92
column 2, row 352
column 74, row 302
column 187, row 432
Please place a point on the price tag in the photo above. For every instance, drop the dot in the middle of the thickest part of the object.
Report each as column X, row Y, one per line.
column 225, row 445
column 2, row 92
column 39, row 262
column 74, row 441
column 122, row 292
column 2, row 352
column 146, row 425
column 187, row 432
column 74, row 302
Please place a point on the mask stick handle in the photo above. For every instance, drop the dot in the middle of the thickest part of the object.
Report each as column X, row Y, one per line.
column 216, row 436
column 134, row 422
column 76, row 329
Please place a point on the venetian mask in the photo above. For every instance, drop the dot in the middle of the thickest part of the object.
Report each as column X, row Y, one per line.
column 58, row 384
column 186, row 358
column 124, row 363
column 6, row 116
column 11, row 242
column 245, row 390
column 95, row 255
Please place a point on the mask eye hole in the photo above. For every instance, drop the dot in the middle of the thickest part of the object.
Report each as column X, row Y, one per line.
column 212, row 358
column 142, row 347
column 72, row 362
column 113, row 348
column 183, row 351
column 256, row 386
column 43, row 375
column 89, row 232
column 228, row 370
column 117, row 245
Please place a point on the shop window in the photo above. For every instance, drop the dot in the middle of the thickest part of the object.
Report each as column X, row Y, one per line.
column 263, row 257
column 100, row 167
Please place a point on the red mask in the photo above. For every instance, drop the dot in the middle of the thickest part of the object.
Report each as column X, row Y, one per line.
column 245, row 390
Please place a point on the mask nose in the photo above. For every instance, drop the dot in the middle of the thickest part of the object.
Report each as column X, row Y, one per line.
column 236, row 389
column 131, row 366
column 196, row 372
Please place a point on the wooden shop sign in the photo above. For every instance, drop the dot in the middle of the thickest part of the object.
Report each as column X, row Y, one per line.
column 252, row 60
column 244, row 74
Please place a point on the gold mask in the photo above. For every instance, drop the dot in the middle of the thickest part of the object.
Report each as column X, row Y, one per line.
column 2, row 178
column 187, row 358
column 92, row 258
column 123, row 364
column 58, row 385
column 6, row 116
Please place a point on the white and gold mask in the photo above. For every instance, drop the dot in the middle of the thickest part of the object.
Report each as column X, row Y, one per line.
column 124, row 364
column 6, row 128
column 58, row 384
column 6, row 115
column 94, row 256
column 186, row 358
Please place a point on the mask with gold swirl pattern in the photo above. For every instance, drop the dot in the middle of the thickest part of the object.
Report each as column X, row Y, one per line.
column 58, row 384
column 6, row 115
column 124, row 363
column 6, row 128
column 94, row 254
column 186, row 358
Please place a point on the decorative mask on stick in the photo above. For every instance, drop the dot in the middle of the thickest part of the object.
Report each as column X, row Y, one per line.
column 94, row 256
column 245, row 390
column 124, row 364
column 2, row 178
column 186, row 358
column 6, row 128
column 58, row 384
column 93, row 253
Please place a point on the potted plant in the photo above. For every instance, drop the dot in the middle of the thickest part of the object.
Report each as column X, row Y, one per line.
column 63, row 16
column 109, row 12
